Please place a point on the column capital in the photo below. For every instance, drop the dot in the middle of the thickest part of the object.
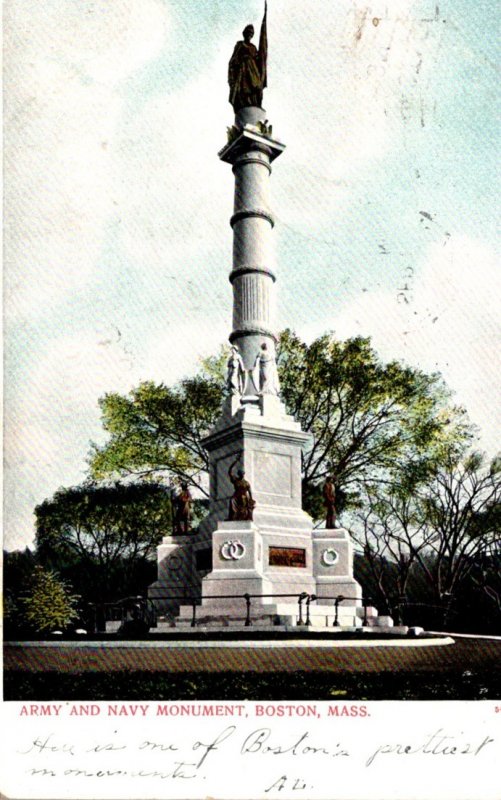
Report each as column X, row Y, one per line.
column 250, row 138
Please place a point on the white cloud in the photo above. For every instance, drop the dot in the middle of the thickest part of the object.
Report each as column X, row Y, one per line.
column 171, row 356
column 48, row 432
column 343, row 82
column 171, row 191
column 63, row 62
column 345, row 79
column 447, row 320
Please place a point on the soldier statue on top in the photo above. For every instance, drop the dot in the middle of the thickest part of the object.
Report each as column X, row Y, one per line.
column 247, row 69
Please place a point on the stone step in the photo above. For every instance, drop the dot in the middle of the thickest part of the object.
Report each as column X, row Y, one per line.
column 321, row 618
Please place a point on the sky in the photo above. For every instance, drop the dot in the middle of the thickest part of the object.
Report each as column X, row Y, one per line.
column 116, row 228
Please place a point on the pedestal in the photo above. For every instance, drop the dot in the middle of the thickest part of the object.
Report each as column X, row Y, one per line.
column 275, row 557
column 176, row 574
column 333, row 566
column 237, row 565
column 277, row 543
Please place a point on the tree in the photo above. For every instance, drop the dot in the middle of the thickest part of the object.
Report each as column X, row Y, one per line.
column 18, row 567
column 445, row 530
column 104, row 532
column 391, row 532
column 486, row 573
column 157, row 430
column 368, row 420
column 461, row 509
column 50, row 604
column 478, row 604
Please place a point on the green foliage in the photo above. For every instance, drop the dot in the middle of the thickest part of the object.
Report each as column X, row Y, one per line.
column 49, row 605
column 157, row 430
column 11, row 610
column 369, row 420
column 104, row 529
column 18, row 567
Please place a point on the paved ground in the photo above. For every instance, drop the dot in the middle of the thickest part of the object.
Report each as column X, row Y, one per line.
column 461, row 654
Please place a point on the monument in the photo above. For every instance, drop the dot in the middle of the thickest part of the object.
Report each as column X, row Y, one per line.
column 256, row 539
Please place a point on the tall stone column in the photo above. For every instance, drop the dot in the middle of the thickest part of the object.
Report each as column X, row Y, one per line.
column 272, row 554
column 273, row 557
column 251, row 152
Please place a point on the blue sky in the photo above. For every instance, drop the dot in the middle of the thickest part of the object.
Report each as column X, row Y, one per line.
column 118, row 246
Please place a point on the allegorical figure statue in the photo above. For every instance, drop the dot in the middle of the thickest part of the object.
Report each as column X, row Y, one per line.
column 264, row 373
column 247, row 69
column 329, row 495
column 241, row 502
column 235, row 375
column 182, row 511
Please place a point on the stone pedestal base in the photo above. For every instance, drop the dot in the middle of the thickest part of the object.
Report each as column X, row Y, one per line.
column 333, row 566
column 176, row 576
column 237, row 566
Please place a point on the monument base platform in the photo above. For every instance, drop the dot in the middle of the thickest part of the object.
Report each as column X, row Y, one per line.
column 279, row 614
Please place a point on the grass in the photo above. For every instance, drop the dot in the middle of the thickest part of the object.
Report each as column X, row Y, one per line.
column 432, row 685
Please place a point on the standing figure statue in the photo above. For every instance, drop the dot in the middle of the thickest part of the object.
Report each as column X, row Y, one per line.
column 247, row 69
column 241, row 502
column 182, row 511
column 264, row 373
column 235, row 375
column 329, row 495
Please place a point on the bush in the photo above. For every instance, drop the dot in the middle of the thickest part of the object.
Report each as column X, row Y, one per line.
column 50, row 603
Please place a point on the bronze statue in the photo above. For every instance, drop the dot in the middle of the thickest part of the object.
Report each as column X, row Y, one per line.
column 247, row 69
column 241, row 502
column 182, row 511
column 329, row 494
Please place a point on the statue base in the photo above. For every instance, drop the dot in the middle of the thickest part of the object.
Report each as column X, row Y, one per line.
column 274, row 558
column 333, row 566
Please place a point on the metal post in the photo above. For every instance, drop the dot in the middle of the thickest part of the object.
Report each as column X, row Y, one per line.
column 366, row 602
column 248, row 603
column 308, row 601
column 338, row 600
column 302, row 596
